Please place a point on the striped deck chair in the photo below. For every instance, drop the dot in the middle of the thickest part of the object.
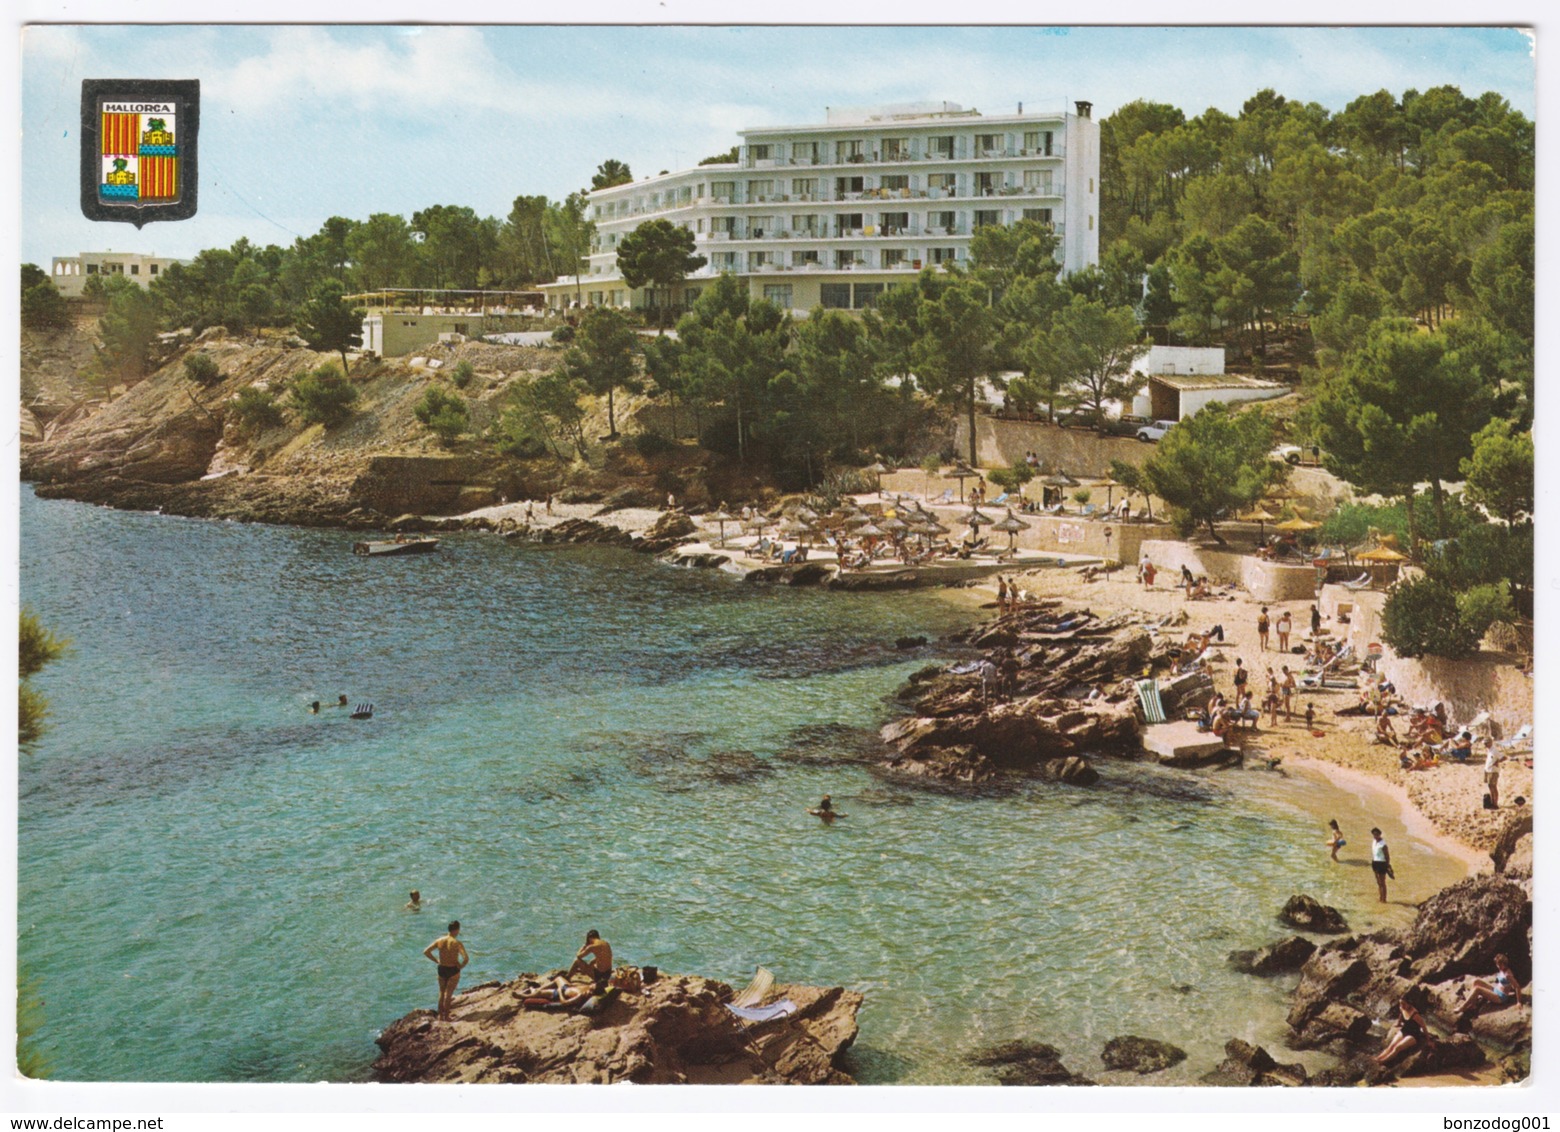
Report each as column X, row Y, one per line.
column 1148, row 697
column 753, row 994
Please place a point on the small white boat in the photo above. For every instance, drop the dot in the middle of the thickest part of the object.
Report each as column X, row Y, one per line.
column 395, row 546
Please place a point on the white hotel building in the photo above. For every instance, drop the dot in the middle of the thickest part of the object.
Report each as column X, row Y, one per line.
column 830, row 215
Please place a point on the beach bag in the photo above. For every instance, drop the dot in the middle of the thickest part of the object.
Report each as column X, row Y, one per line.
column 1489, row 803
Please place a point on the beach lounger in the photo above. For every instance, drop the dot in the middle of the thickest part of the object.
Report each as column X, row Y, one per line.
column 945, row 497
column 754, row 1015
column 755, row 992
column 1148, row 697
column 999, row 500
column 1089, row 509
column 1360, row 583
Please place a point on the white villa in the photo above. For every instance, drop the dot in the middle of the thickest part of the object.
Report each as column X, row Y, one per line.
column 829, row 215
column 70, row 273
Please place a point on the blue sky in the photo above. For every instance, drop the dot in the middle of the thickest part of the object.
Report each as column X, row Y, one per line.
column 303, row 122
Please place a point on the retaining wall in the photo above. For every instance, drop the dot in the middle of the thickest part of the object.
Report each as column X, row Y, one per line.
column 1264, row 581
column 1077, row 451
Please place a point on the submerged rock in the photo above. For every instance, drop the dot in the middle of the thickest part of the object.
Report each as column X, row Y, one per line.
column 1022, row 1062
column 1246, row 1065
column 673, row 1031
column 1277, row 957
column 1310, row 915
column 1141, row 1055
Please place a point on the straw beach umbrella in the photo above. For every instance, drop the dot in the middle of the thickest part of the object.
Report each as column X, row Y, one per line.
column 1012, row 525
column 960, row 472
column 1259, row 516
column 721, row 518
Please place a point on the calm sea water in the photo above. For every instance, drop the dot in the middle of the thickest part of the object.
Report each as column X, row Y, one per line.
column 211, row 879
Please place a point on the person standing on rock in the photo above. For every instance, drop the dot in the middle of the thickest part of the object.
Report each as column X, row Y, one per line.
column 1492, row 763
column 451, row 958
column 1380, row 863
column 1263, row 624
column 988, row 680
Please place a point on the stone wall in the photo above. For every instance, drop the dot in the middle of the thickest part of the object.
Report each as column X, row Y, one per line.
column 1487, row 682
column 1264, row 581
column 1077, row 451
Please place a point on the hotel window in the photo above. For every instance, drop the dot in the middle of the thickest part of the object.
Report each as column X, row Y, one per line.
column 990, row 144
column 866, row 295
column 798, row 259
column 847, row 223
column 987, row 217
column 942, row 255
column 942, row 182
column 1038, row 141
column 760, row 190
column 804, row 225
column 1091, row 184
column 723, row 261
column 759, row 152
column 135, row 269
column 849, row 151
column 896, row 149
column 987, row 183
column 893, row 257
column 847, row 259
column 726, row 225
column 893, row 223
column 834, row 296
column 779, row 294
column 1041, row 214
column 943, row 221
column 804, row 153
column 940, row 147
column 757, row 261
column 725, row 191
column 894, row 182
column 843, row 185
column 804, row 187
column 1038, row 181
column 92, row 269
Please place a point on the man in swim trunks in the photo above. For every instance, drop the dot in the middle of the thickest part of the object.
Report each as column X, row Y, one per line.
column 451, row 958
column 600, row 968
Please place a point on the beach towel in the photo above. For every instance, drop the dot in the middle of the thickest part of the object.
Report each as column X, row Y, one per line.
column 751, row 1015
column 1148, row 696
column 965, row 669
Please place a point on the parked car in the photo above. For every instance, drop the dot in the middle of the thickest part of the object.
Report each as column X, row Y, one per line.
column 1288, row 453
column 1154, row 430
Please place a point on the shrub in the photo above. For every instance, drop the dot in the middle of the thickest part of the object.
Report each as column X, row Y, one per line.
column 43, row 307
column 1482, row 606
column 1082, row 496
column 651, row 444
column 1421, row 617
column 202, row 369
column 1351, row 524
column 443, row 412
column 462, row 374
column 564, row 333
column 323, row 396
column 255, row 410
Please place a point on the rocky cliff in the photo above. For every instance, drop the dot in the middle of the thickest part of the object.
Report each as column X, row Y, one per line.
column 675, row 1030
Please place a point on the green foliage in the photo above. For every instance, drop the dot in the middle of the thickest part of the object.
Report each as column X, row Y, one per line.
column 1011, row 478
column 1481, row 606
column 463, row 373
column 603, row 357
column 1352, row 524
column 255, row 410
column 1499, row 474
column 609, row 173
column 128, row 329
column 1421, row 618
column 444, row 413
column 1214, row 464
column 543, row 410
column 652, row 444
column 564, row 333
column 658, row 253
column 202, row 369
column 727, row 158
column 323, row 396
column 36, row 649
column 1082, row 496
column 1085, row 357
column 955, row 344
column 43, row 307
column 329, row 322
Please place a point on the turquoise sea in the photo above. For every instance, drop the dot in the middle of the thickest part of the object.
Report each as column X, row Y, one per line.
column 211, row 879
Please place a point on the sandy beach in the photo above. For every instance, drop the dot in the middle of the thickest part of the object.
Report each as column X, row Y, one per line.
column 1447, row 798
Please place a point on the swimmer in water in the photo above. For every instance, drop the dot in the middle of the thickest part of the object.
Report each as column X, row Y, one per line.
column 826, row 810
column 415, row 903
column 314, row 708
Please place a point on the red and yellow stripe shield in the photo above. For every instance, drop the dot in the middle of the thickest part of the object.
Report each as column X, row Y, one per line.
column 121, row 134
column 159, row 178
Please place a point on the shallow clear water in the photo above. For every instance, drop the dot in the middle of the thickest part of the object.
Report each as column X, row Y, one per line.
column 211, row 879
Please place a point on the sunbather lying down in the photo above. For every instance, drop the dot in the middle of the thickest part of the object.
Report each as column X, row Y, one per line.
column 560, row 992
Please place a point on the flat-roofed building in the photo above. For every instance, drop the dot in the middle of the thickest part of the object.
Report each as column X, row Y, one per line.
column 70, row 273
column 830, row 215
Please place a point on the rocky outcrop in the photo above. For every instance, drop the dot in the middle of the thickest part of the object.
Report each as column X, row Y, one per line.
column 961, row 731
column 1027, row 1063
column 1310, row 915
column 673, row 1031
column 1347, row 984
column 1141, row 1055
column 1246, row 1065
column 1276, row 958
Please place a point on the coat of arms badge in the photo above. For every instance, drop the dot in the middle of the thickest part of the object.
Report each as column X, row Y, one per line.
column 138, row 149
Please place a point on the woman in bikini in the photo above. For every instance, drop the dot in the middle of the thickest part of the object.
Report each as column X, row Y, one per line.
column 1504, row 991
